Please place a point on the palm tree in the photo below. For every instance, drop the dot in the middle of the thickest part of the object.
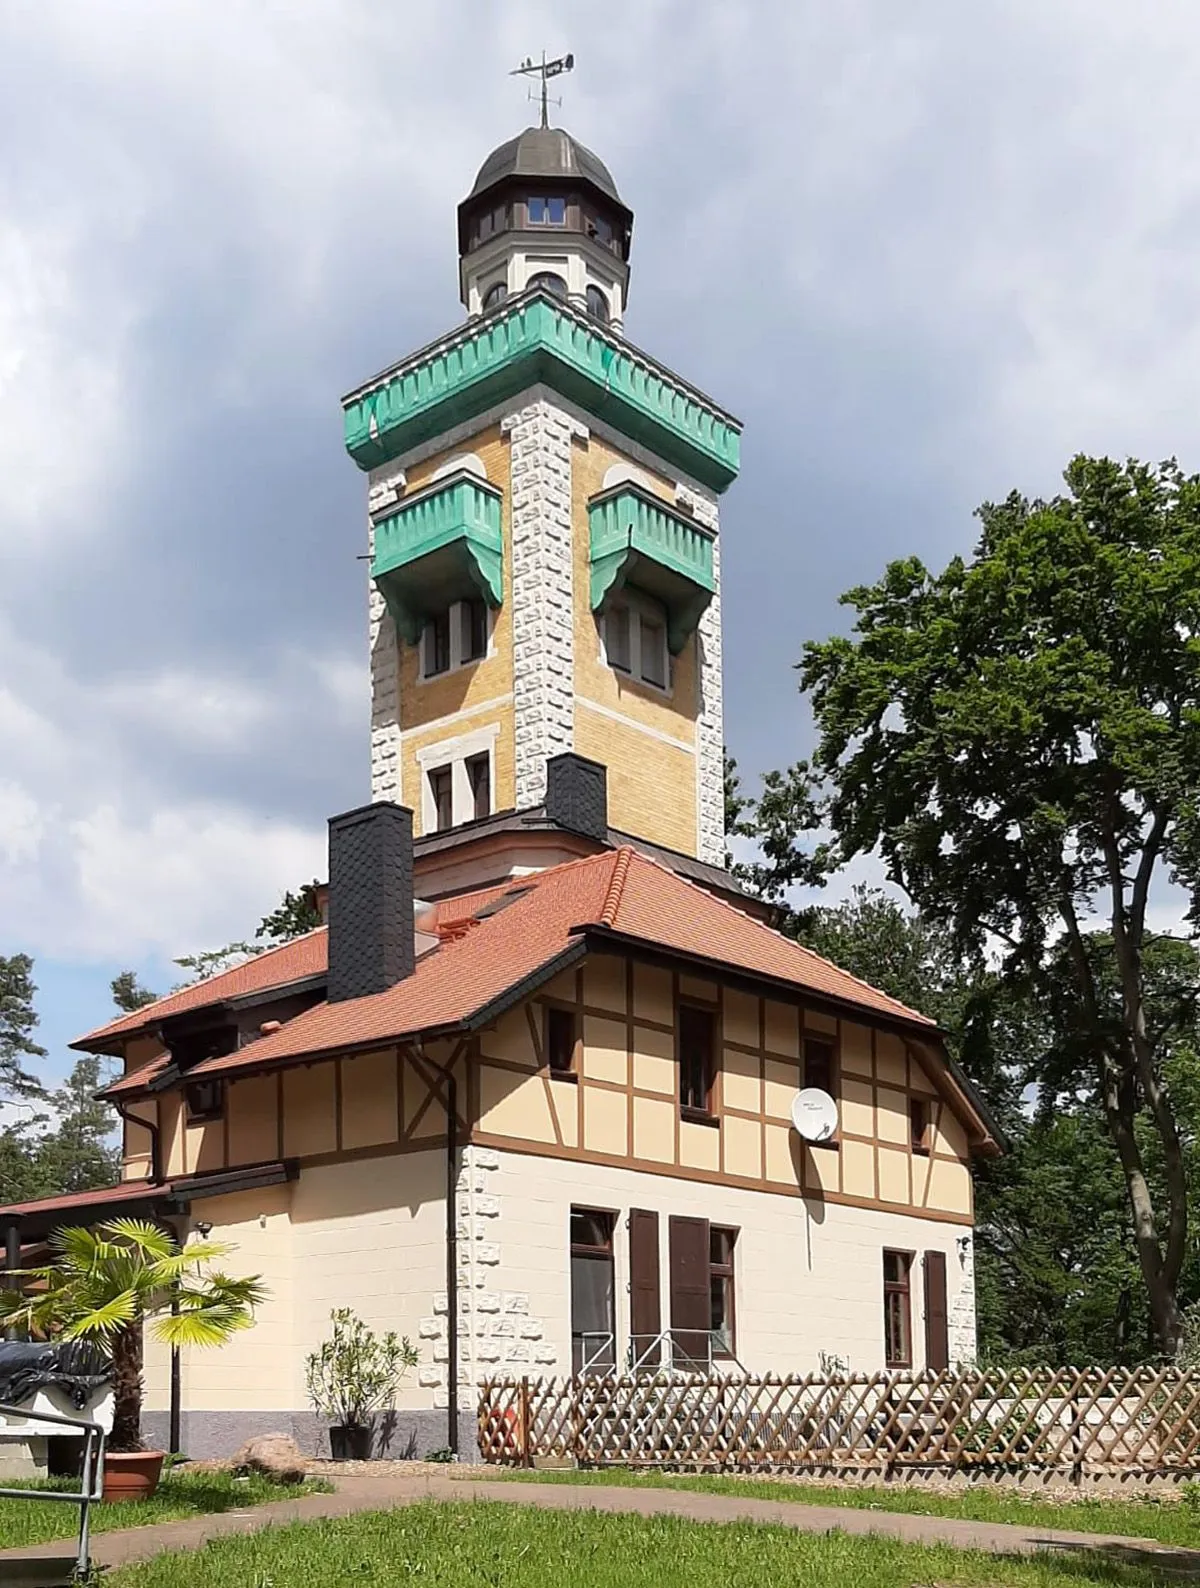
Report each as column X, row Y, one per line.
column 106, row 1282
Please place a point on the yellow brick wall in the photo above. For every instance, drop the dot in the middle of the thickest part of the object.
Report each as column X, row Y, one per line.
column 651, row 785
column 424, row 706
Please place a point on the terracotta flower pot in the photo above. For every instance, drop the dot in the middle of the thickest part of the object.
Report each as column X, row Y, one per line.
column 131, row 1474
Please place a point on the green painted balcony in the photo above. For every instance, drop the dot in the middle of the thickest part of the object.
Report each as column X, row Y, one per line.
column 637, row 540
column 440, row 546
column 536, row 338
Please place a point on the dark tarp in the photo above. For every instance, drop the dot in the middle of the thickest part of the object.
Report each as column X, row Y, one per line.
column 79, row 1368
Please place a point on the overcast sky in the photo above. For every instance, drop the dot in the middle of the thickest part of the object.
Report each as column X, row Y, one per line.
column 925, row 250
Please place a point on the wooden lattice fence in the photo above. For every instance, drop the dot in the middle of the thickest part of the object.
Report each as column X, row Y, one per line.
column 1070, row 1421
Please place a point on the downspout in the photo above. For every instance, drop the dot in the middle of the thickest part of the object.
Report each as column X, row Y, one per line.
column 156, row 1163
column 447, row 1074
column 452, row 1258
column 12, row 1261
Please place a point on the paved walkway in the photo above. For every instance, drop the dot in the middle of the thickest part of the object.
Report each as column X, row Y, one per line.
column 382, row 1492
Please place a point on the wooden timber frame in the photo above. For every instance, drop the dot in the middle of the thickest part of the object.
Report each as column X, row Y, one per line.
column 1073, row 1422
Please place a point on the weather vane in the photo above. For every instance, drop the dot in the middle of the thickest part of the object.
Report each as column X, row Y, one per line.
column 545, row 70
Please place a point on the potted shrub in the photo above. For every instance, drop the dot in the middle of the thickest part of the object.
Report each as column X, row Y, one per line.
column 106, row 1284
column 351, row 1376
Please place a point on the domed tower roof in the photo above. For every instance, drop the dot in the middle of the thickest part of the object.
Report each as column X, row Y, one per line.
column 545, row 153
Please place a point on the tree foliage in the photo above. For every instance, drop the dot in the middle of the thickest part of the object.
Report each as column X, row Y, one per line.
column 106, row 1283
column 1019, row 738
column 18, row 1021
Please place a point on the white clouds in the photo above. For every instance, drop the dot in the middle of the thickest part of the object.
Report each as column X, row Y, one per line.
column 927, row 249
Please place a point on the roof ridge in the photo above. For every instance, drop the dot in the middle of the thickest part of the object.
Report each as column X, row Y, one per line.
column 616, row 885
column 784, row 938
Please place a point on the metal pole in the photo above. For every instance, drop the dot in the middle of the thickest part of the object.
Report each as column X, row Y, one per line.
column 452, row 1259
column 12, row 1261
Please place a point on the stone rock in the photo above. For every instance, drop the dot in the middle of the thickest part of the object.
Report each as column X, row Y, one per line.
column 276, row 1456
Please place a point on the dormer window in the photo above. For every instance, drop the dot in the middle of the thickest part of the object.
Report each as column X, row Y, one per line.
column 491, row 222
column 551, row 281
column 547, row 211
column 495, row 295
column 597, row 305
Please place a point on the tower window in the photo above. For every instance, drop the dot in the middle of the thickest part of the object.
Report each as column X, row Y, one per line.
column 454, row 637
column 551, row 281
column 437, row 644
column 474, row 632
column 495, row 295
column 479, row 778
column 600, row 229
column 491, row 222
column 635, row 641
column 547, row 211
column 441, row 792
column 597, row 305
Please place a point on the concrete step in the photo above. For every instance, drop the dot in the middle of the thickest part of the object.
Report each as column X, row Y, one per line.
column 37, row 1571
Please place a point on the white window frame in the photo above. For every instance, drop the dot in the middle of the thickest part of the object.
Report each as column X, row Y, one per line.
column 455, row 753
column 458, row 646
column 638, row 607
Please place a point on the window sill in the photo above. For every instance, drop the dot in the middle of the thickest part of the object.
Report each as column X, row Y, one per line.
column 699, row 1116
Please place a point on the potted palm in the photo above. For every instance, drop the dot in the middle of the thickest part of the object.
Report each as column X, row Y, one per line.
column 107, row 1284
column 351, row 1376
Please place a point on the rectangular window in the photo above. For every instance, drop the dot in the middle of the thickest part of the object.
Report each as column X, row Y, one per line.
column 593, row 1291
column 897, row 1312
column 479, row 776
column 547, row 211
column 474, row 620
column 205, row 1100
column 696, row 1029
column 560, row 1040
column 617, row 638
column 818, row 1064
column 437, row 644
column 654, row 652
column 441, row 792
column 918, row 1120
column 720, row 1283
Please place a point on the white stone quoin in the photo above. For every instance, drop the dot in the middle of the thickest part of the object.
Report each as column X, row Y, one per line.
column 540, row 435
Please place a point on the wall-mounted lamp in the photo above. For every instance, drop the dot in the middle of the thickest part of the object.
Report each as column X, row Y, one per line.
column 964, row 1245
column 203, row 1229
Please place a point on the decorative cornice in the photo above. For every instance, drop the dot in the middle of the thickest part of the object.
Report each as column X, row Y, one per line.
column 536, row 337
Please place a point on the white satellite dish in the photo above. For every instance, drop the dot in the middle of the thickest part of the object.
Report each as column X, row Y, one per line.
column 814, row 1114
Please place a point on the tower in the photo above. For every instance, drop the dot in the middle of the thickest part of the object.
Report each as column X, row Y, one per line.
column 543, row 506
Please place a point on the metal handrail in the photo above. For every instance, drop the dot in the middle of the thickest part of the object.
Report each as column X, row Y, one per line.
column 660, row 1354
column 91, row 1482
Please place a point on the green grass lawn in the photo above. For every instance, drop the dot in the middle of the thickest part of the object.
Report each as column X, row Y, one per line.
column 180, row 1494
column 1167, row 1521
column 477, row 1545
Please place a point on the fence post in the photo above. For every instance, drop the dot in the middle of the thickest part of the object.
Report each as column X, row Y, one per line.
column 526, row 1431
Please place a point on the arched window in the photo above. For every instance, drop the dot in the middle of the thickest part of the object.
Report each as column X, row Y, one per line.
column 551, row 282
column 495, row 295
column 597, row 304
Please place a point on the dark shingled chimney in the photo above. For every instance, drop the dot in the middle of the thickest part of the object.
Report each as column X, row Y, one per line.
column 371, row 938
column 577, row 794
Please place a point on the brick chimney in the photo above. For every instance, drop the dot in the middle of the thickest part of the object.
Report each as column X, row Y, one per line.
column 371, row 933
column 577, row 794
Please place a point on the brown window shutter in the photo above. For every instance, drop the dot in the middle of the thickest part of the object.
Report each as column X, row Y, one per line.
column 645, row 1302
column 937, row 1331
column 691, row 1302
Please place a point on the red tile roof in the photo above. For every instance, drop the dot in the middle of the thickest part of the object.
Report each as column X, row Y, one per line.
column 623, row 892
column 276, row 967
column 127, row 1191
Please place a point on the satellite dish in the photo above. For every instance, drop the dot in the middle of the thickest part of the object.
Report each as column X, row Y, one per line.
column 814, row 1114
